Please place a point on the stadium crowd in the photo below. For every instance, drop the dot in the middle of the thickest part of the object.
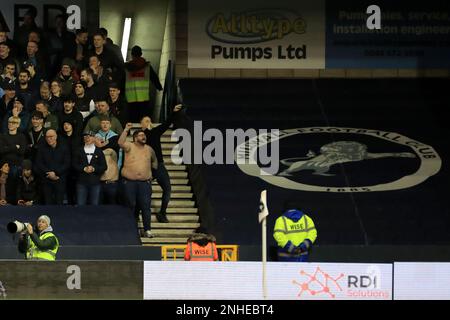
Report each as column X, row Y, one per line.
column 63, row 108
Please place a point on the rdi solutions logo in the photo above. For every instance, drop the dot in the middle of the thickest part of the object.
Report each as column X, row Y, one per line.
column 253, row 27
column 322, row 284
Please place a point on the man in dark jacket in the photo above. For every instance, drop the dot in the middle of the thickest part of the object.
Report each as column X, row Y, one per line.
column 90, row 164
column 52, row 164
column 153, row 135
column 69, row 114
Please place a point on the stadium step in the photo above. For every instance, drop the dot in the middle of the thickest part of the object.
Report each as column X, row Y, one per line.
column 185, row 195
column 177, row 210
column 178, row 218
column 158, row 241
column 168, row 146
column 178, row 188
column 175, row 203
column 175, row 181
column 178, row 174
column 173, row 225
column 178, row 167
column 172, row 233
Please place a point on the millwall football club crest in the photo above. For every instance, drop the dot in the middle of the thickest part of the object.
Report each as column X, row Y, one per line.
column 336, row 159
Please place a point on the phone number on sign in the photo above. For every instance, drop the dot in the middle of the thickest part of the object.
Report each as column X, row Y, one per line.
column 393, row 53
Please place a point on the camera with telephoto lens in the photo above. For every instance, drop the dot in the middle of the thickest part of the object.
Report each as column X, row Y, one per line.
column 16, row 227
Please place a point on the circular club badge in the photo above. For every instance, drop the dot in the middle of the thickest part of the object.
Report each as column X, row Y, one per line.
column 349, row 148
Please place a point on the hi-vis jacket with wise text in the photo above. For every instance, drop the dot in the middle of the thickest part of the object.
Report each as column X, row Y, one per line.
column 292, row 230
column 201, row 247
column 40, row 247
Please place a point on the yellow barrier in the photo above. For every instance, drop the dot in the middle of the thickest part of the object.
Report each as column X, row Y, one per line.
column 226, row 252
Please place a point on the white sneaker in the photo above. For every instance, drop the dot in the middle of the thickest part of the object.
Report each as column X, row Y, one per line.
column 148, row 234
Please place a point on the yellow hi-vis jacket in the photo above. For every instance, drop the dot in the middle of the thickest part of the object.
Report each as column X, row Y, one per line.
column 34, row 253
column 137, row 85
column 286, row 230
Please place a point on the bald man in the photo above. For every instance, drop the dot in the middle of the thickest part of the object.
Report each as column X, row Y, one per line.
column 52, row 165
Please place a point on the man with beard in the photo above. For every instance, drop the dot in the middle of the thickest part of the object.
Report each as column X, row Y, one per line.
column 140, row 160
column 24, row 90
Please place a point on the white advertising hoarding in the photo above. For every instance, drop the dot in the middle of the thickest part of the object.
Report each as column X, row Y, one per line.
column 422, row 281
column 285, row 281
column 249, row 34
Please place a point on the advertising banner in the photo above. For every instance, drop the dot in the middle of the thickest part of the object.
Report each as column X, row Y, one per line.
column 422, row 281
column 285, row 281
column 248, row 34
column 412, row 35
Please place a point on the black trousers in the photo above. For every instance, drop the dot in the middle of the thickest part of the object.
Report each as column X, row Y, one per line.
column 54, row 191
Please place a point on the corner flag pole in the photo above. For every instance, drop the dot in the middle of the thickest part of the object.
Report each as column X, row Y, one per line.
column 263, row 213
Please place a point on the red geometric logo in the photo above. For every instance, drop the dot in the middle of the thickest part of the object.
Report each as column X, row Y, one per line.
column 319, row 283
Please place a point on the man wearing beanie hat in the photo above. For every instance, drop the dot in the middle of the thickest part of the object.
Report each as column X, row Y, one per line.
column 39, row 243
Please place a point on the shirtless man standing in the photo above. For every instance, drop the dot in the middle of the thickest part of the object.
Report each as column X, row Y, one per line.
column 139, row 161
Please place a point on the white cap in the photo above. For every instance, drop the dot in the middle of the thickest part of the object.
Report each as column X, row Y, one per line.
column 46, row 218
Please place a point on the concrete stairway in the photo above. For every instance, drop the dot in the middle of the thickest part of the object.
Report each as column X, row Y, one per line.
column 182, row 211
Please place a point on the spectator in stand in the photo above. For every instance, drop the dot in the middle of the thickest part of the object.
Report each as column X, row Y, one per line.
column 27, row 189
column 60, row 42
column 73, row 143
column 70, row 114
column 92, row 90
column 43, row 50
column 137, row 86
column 21, row 33
column 8, row 76
column 108, row 59
column 24, row 90
column 90, row 164
column 11, row 45
column 140, row 160
column 110, row 46
column 66, row 77
column 153, row 135
column 7, row 193
column 55, row 104
column 101, row 76
column 83, row 103
column 56, row 89
column 13, row 149
column 117, row 103
column 7, row 101
column 107, row 141
column 35, row 59
column 50, row 120
column 17, row 111
column 78, row 50
column 6, row 56
column 35, row 134
column 52, row 165
column 103, row 109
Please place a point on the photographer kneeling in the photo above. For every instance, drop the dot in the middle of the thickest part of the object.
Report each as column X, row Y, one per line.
column 39, row 244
